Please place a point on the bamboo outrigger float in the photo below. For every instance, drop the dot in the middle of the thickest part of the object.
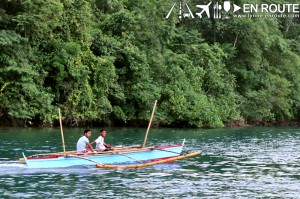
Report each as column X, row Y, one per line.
column 135, row 166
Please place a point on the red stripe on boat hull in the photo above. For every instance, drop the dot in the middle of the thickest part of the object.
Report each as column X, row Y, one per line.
column 44, row 157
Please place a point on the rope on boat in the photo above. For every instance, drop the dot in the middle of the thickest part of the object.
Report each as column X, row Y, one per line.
column 166, row 150
column 104, row 166
column 128, row 157
column 83, row 158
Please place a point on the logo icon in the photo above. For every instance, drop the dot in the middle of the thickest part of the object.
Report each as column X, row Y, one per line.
column 217, row 8
column 188, row 14
column 205, row 8
column 226, row 9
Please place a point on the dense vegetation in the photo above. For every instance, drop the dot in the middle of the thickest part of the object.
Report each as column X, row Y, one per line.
column 106, row 61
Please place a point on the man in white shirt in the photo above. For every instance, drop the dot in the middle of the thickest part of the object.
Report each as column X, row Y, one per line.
column 100, row 144
column 83, row 144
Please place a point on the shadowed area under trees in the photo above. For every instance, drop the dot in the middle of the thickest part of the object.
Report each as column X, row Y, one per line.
column 105, row 62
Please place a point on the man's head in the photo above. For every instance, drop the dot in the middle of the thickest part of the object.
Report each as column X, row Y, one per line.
column 103, row 132
column 87, row 133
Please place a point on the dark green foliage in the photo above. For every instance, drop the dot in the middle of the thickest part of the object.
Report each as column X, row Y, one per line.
column 108, row 60
column 22, row 93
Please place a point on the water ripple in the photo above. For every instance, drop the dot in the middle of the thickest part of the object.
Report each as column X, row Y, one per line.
column 236, row 163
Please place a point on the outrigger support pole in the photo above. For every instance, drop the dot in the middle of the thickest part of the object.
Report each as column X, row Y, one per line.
column 62, row 133
column 149, row 125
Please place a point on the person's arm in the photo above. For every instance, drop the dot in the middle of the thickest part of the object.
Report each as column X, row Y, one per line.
column 90, row 146
column 96, row 141
column 107, row 145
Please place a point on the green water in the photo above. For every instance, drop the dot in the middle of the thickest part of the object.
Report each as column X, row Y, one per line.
column 236, row 163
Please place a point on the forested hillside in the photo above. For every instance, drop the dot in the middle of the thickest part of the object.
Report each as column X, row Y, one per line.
column 107, row 61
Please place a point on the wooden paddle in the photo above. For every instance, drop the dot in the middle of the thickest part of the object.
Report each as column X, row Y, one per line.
column 149, row 125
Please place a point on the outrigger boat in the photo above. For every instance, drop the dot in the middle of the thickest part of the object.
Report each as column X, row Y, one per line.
column 119, row 156
column 134, row 156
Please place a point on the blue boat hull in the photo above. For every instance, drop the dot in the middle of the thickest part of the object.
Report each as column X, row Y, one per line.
column 62, row 161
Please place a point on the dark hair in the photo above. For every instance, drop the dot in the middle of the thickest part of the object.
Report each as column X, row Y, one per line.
column 86, row 130
column 102, row 130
